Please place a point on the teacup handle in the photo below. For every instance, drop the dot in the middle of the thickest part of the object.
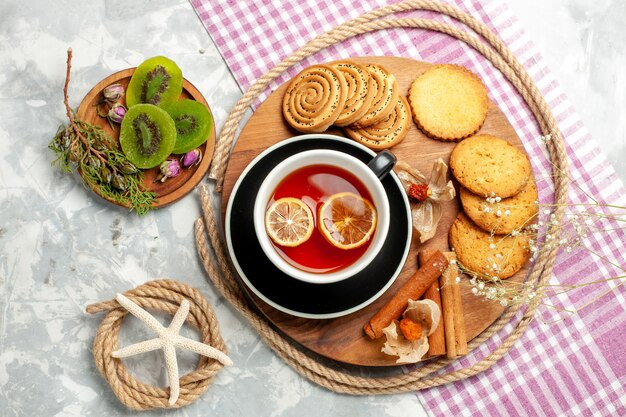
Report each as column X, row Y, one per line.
column 382, row 163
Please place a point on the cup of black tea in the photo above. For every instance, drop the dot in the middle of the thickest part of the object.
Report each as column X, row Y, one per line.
column 322, row 216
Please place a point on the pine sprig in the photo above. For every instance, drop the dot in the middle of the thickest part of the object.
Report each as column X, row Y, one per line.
column 103, row 168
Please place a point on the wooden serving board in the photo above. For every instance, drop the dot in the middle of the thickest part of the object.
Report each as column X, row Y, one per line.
column 172, row 189
column 342, row 339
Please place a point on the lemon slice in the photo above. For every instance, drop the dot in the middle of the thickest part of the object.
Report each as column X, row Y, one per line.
column 289, row 222
column 347, row 220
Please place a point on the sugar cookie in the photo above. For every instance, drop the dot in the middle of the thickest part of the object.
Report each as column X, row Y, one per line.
column 504, row 216
column 490, row 166
column 448, row 102
column 479, row 252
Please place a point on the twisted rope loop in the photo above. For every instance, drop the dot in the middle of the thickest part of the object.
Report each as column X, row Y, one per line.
column 166, row 296
column 208, row 236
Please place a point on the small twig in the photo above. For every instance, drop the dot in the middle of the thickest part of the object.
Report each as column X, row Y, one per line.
column 68, row 109
column 67, row 83
column 70, row 115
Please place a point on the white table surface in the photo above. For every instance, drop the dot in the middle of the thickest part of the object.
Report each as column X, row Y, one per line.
column 61, row 248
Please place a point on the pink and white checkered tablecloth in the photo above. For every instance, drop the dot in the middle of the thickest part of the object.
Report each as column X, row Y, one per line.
column 565, row 364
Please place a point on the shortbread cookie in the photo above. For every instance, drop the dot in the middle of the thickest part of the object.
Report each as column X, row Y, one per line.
column 448, row 102
column 385, row 96
column 501, row 217
column 314, row 99
column 387, row 133
column 479, row 252
column 360, row 92
column 490, row 166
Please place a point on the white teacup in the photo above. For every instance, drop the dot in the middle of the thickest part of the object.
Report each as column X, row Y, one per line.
column 370, row 176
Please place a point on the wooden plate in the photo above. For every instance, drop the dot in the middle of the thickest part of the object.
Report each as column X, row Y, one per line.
column 342, row 338
column 174, row 188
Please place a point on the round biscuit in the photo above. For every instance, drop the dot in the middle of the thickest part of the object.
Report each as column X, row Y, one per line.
column 490, row 166
column 314, row 99
column 448, row 102
column 505, row 216
column 386, row 93
column 387, row 133
column 480, row 253
column 360, row 91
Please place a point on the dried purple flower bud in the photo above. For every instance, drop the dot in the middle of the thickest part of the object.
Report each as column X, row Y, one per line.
column 113, row 93
column 191, row 158
column 94, row 162
column 63, row 139
column 169, row 169
column 99, row 146
column 128, row 168
column 105, row 174
column 116, row 113
column 118, row 181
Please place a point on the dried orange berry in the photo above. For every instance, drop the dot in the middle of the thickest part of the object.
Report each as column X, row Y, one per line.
column 410, row 329
column 418, row 192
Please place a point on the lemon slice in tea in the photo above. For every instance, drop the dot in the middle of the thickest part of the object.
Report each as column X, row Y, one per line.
column 347, row 220
column 289, row 222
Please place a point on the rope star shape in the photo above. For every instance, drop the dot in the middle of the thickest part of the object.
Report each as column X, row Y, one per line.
column 168, row 339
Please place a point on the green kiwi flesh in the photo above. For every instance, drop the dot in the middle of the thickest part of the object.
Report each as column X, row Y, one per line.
column 147, row 135
column 157, row 81
column 193, row 124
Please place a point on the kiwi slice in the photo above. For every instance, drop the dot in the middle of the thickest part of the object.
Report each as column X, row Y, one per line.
column 193, row 124
column 157, row 81
column 147, row 135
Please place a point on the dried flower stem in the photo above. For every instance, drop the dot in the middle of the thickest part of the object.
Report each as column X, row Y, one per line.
column 70, row 113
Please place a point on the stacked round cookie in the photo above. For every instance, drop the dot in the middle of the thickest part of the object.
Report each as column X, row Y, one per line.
column 363, row 99
column 498, row 193
column 499, row 196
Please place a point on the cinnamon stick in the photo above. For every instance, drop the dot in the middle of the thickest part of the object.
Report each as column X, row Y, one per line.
column 453, row 316
column 459, row 316
column 447, row 301
column 413, row 289
column 437, row 340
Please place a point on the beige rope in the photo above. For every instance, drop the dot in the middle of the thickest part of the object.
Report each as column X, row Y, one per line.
column 161, row 295
column 427, row 376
